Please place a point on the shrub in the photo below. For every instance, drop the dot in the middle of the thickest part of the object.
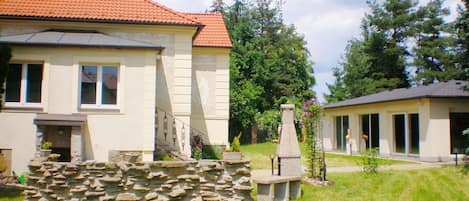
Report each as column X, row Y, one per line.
column 369, row 160
column 235, row 145
column 196, row 144
column 46, row 145
column 212, row 152
column 167, row 158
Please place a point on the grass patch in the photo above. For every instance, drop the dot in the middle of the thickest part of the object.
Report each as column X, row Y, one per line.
column 11, row 194
column 259, row 156
column 435, row 184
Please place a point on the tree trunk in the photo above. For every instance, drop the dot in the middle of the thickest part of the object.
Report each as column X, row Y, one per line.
column 254, row 134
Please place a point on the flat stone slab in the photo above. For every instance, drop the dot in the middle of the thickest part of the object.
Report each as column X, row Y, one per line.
column 276, row 179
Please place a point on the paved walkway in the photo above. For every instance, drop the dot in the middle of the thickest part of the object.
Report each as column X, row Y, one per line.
column 258, row 173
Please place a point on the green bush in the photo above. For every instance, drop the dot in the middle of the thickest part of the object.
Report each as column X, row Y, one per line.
column 167, row 158
column 235, row 145
column 46, row 145
column 212, row 152
column 197, row 153
column 369, row 160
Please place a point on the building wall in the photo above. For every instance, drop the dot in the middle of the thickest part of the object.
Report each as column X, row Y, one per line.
column 146, row 78
column 385, row 111
column 438, row 131
column 434, row 127
column 210, row 94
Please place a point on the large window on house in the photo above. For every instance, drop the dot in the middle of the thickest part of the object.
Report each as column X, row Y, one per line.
column 406, row 133
column 99, row 84
column 342, row 126
column 458, row 123
column 24, row 84
column 370, row 130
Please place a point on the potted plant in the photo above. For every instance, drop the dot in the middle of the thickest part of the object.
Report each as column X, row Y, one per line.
column 235, row 152
column 45, row 149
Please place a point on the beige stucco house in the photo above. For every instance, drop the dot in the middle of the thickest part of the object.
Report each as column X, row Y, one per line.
column 423, row 122
column 101, row 77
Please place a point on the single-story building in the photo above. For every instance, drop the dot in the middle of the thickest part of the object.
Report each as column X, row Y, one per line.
column 100, row 78
column 423, row 122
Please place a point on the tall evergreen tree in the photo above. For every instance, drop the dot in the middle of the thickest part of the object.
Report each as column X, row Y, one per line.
column 462, row 30
column 218, row 6
column 338, row 90
column 386, row 32
column 434, row 51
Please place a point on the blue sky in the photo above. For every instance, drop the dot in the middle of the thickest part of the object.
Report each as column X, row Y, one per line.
column 327, row 25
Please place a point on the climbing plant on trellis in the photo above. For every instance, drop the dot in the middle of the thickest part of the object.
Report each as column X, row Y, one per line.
column 315, row 155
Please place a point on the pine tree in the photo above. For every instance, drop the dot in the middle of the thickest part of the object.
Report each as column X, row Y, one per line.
column 434, row 51
column 387, row 30
column 462, row 30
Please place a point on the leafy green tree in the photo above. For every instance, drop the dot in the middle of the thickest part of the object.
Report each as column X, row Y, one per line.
column 435, row 45
column 269, row 62
column 5, row 56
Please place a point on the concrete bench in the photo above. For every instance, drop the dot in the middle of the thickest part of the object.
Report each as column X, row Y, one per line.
column 278, row 188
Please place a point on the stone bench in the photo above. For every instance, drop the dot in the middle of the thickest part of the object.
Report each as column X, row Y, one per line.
column 278, row 188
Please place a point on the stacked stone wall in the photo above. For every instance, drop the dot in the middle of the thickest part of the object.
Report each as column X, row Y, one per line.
column 162, row 180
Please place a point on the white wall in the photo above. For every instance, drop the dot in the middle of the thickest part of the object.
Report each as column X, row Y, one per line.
column 433, row 124
column 210, row 94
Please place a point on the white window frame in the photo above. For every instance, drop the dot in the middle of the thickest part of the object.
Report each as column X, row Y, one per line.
column 24, row 86
column 99, row 83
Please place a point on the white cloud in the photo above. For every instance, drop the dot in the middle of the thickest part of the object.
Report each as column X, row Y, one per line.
column 327, row 34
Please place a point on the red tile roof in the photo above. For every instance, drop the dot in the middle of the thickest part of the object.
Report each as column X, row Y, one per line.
column 214, row 33
column 123, row 11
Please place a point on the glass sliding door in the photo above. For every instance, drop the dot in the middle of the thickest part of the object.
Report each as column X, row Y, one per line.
column 370, row 129
column 399, row 133
column 406, row 133
column 459, row 121
column 414, row 133
column 374, row 130
column 342, row 126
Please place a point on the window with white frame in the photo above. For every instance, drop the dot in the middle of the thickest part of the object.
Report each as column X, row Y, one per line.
column 24, row 84
column 99, row 85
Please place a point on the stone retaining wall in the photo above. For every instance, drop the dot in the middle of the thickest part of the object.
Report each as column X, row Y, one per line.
column 162, row 180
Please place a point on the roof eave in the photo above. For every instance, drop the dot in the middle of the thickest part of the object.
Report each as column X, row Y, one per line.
column 401, row 99
column 82, row 45
column 109, row 21
column 213, row 46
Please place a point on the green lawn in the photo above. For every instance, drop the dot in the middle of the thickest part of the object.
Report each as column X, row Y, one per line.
column 259, row 156
column 447, row 183
column 10, row 194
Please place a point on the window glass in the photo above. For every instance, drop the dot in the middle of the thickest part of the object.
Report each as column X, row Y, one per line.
column 109, row 85
column 414, row 133
column 399, row 133
column 89, row 76
column 34, row 84
column 13, row 83
column 458, row 123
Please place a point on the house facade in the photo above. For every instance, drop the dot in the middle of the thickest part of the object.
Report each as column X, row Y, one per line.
column 100, row 77
column 423, row 123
